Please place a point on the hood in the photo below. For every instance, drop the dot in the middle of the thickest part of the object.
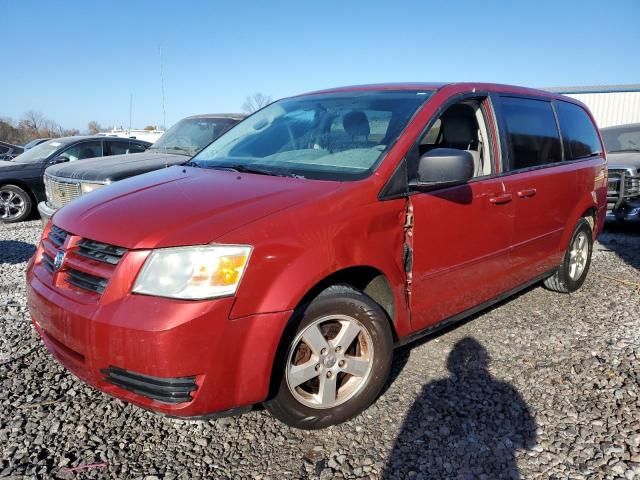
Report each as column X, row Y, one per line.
column 10, row 167
column 183, row 206
column 6, row 165
column 115, row 167
column 624, row 160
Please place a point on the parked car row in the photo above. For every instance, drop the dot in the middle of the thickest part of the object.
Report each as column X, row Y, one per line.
column 282, row 263
column 67, row 182
column 23, row 182
column 21, row 179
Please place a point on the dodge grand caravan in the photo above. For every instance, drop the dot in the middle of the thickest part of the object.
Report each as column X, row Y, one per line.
column 285, row 261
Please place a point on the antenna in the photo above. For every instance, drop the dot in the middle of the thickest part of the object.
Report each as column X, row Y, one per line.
column 164, row 113
column 130, row 109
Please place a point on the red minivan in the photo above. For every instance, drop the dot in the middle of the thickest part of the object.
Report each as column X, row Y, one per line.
column 285, row 261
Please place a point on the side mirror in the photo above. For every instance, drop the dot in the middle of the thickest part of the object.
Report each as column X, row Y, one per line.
column 57, row 160
column 442, row 167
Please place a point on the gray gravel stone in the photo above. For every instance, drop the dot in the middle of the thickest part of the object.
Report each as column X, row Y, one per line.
column 540, row 386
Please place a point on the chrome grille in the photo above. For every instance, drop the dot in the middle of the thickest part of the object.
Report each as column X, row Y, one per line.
column 60, row 193
column 631, row 184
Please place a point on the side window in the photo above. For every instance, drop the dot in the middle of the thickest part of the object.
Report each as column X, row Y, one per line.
column 123, row 148
column 532, row 132
column 462, row 126
column 83, row 150
column 136, row 148
column 578, row 133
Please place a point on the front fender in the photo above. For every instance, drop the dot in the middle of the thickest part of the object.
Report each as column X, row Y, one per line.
column 295, row 250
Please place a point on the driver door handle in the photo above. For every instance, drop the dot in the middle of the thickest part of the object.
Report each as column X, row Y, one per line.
column 501, row 199
column 527, row 192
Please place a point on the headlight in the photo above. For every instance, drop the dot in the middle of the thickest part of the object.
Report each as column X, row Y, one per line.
column 90, row 187
column 47, row 187
column 193, row 273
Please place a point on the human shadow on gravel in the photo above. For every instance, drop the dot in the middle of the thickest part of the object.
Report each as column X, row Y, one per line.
column 466, row 426
column 623, row 239
column 13, row 251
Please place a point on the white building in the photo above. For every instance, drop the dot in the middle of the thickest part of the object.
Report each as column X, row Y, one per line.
column 146, row 135
column 610, row 104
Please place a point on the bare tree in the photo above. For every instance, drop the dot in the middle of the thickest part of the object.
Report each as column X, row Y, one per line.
column 93, row 127
column 32, row 121
column 255, row 102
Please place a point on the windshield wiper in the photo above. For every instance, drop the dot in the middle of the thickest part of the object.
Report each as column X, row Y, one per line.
column 240, row 168
column 625, row 150
column 176, row 150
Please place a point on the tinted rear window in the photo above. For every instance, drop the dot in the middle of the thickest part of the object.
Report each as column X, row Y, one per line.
column 532, row 132
column 578, row 133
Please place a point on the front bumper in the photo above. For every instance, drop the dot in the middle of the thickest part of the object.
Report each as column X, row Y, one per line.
column 220, row 364
column 629, row 211
column 46, row 212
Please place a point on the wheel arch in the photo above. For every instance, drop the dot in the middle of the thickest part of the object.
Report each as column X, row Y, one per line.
column 22, row 184
column 369, row 280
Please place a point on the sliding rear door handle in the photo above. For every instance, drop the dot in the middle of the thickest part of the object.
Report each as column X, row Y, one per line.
column 501, row 199
column 527, row 192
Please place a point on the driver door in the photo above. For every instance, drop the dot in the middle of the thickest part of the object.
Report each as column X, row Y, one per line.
column 461, row 237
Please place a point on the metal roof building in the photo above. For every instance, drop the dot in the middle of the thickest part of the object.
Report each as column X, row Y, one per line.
column 610, row 104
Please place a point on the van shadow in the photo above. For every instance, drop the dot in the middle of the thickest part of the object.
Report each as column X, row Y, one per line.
column 624, row 240
column 466, row 426
column 14, row 252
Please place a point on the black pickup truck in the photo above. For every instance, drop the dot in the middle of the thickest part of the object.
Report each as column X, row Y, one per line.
column 623, row 155
column 176, row 146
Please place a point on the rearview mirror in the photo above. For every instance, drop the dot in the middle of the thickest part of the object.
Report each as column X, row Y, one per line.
column 443, row 167
column 60, row 159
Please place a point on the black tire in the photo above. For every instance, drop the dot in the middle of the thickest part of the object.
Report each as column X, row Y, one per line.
column 337, row 300
column 561, row 281
column 13, row 215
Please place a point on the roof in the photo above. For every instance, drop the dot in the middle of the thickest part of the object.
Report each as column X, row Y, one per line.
column 627, row 126
column 233, row 116
column 77, row 138
column 431, row 86
column 384, row 86
column 595, row 89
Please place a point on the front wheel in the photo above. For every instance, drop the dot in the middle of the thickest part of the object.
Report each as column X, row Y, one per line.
column 15, row 204
column 335, row 363
column 574, row 267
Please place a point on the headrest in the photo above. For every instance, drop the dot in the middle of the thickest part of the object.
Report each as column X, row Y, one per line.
column 458, row 129
column 356, row 124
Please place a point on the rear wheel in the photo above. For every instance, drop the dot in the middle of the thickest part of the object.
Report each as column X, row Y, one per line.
column 573, row 270
column 335, row 363
column 15, row 204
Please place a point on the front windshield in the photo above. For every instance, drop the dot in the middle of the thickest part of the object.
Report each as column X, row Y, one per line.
column 39, row 152
column 621, row 139
column 190, row 135
column 337, row 136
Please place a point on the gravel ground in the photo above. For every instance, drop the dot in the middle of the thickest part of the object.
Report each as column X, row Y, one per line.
column 541, row 386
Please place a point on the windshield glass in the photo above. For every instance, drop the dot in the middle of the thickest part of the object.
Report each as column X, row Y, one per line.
column 39, row 152
column 190, row 135
column 337, row 136
column 621, row 139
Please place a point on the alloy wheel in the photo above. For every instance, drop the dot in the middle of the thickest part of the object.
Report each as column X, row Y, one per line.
column 578, row 255
column 12, row 205
column 329, row 362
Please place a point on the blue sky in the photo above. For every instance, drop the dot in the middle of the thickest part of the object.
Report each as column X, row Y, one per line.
column 76, row 61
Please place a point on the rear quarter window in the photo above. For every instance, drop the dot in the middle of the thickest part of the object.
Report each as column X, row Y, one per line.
column 532, row 132
column 579, row 135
